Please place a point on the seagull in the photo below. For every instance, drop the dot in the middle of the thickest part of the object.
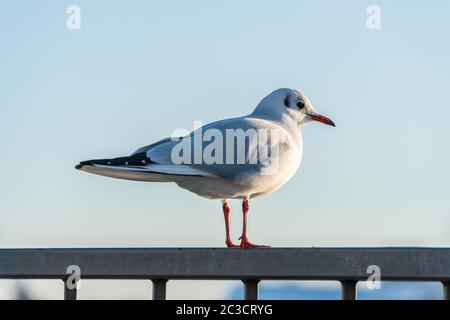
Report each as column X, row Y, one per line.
column 238, row 158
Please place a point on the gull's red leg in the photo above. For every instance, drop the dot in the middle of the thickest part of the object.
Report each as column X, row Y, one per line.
column 226, row 214
column 244, row 240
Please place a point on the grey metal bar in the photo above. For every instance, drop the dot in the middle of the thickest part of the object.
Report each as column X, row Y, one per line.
column 348, row 290
column 69, row 294
column 446, row 285
column 159, row 289
column 424, row 264
column 250, row 289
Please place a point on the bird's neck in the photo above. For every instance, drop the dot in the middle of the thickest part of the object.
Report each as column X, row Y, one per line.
column 284, row 120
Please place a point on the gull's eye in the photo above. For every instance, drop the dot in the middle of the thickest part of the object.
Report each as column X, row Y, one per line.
column 300, row 104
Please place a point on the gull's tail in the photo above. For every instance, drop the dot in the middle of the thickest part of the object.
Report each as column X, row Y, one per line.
column 139, row 167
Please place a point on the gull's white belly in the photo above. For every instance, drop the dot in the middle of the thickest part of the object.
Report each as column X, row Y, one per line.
column 289, row 163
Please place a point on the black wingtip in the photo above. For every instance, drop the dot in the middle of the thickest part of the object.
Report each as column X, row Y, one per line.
column 79, row 166
column 83, row 163
column 137, row 159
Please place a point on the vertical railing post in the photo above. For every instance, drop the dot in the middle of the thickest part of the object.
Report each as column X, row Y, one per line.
column 348, row 289
column 446, row 285
column 250, row 289
column 69, row 294
column 159, row 289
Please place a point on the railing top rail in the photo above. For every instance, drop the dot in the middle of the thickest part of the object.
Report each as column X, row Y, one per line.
column 417, row 264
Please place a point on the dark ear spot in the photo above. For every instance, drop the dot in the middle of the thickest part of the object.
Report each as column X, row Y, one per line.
column 286, row 101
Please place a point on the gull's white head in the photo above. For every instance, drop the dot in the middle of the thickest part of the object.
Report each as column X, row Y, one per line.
column 289, row 104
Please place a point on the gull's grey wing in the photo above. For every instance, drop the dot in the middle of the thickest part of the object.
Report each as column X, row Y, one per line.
column 218, row 162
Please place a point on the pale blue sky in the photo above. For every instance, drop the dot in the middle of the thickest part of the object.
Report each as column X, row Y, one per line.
column 136, row 71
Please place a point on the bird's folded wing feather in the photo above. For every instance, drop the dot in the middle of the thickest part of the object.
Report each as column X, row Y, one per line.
column 152, row 172
column 180, row 170
column 161, row 152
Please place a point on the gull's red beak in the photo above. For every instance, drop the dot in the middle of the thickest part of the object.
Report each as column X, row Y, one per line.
column 323, row 119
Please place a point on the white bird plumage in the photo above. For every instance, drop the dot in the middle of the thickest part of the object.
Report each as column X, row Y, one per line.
column 284, row 110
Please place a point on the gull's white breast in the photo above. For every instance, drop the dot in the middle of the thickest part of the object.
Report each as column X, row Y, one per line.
column 248, row 182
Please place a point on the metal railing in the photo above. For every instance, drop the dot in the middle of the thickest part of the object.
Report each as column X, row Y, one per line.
column 347, row 265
